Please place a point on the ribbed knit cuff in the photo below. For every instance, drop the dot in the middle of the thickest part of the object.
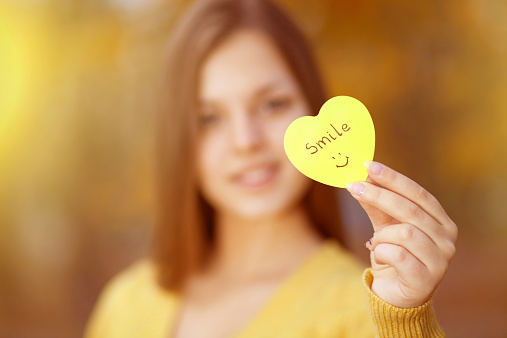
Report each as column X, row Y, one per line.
column 392, row 321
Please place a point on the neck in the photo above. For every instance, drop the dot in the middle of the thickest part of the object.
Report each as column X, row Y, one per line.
column 252, row 246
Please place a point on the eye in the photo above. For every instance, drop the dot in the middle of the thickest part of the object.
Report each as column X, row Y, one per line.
column 275, row 105
column 209, row 119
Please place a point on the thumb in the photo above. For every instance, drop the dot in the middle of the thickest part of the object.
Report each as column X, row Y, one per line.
column 377, row 217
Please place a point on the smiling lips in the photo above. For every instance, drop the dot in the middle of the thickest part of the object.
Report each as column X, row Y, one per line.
column 256, row 176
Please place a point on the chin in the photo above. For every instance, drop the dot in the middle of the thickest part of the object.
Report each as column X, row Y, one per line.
column 271, row 204
column 261, row 209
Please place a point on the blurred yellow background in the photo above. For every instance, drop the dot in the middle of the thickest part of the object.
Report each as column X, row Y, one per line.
column 79, row 84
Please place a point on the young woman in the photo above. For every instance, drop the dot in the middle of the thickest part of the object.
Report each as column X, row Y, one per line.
column 245, row 245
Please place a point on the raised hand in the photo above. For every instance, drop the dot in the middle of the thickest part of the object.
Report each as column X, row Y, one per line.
column 414, row 239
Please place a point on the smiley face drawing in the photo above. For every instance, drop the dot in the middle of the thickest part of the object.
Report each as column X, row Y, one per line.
column 343, row 165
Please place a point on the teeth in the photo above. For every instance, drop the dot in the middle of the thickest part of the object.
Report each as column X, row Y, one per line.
column 255, row 176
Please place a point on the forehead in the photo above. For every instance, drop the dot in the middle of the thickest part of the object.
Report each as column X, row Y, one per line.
column 245, row 62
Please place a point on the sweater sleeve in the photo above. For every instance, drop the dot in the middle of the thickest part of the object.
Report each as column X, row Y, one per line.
column 392, row 321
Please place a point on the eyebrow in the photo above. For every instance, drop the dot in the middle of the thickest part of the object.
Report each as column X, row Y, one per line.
column 266, row 88
column 259, row 92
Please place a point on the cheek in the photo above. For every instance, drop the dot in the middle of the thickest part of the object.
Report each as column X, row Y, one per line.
column 277, row 130
column 210, row 153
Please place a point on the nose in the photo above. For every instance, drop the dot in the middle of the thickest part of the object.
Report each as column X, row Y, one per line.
column 246, row 134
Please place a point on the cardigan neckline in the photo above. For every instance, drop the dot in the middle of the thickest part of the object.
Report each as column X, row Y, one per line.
column 302, row 275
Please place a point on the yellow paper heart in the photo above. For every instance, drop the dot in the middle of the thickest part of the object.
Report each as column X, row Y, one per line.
column 331, row 147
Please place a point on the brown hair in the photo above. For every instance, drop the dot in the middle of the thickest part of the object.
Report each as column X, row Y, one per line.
column 183, row 232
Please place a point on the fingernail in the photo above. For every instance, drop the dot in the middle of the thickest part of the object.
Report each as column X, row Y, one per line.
column 373, row 168
column 368, row 244
column 355, row 188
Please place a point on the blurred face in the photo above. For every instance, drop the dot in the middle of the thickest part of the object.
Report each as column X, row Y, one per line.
column 248, row 98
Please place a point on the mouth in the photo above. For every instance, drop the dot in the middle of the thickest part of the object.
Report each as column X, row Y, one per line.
column 256, row 176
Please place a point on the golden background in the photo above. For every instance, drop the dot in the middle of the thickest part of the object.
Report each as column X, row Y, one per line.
column 79, row 83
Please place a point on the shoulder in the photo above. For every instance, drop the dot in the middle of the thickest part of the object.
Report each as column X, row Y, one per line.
column 125, row 298
column 137, row 277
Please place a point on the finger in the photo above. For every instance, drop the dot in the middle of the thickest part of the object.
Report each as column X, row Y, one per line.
column 408, row 268
column 396, row 206
column 370, row 180
column 396, row 182
column 376, row 216
column 413, row 240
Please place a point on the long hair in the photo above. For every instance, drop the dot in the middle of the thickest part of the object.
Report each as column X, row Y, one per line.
column 183, row 232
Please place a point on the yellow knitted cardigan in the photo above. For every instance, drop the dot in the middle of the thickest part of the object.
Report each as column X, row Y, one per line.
column 323, row 298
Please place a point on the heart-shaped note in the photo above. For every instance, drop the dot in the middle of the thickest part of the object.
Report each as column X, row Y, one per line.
column 331, row 147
